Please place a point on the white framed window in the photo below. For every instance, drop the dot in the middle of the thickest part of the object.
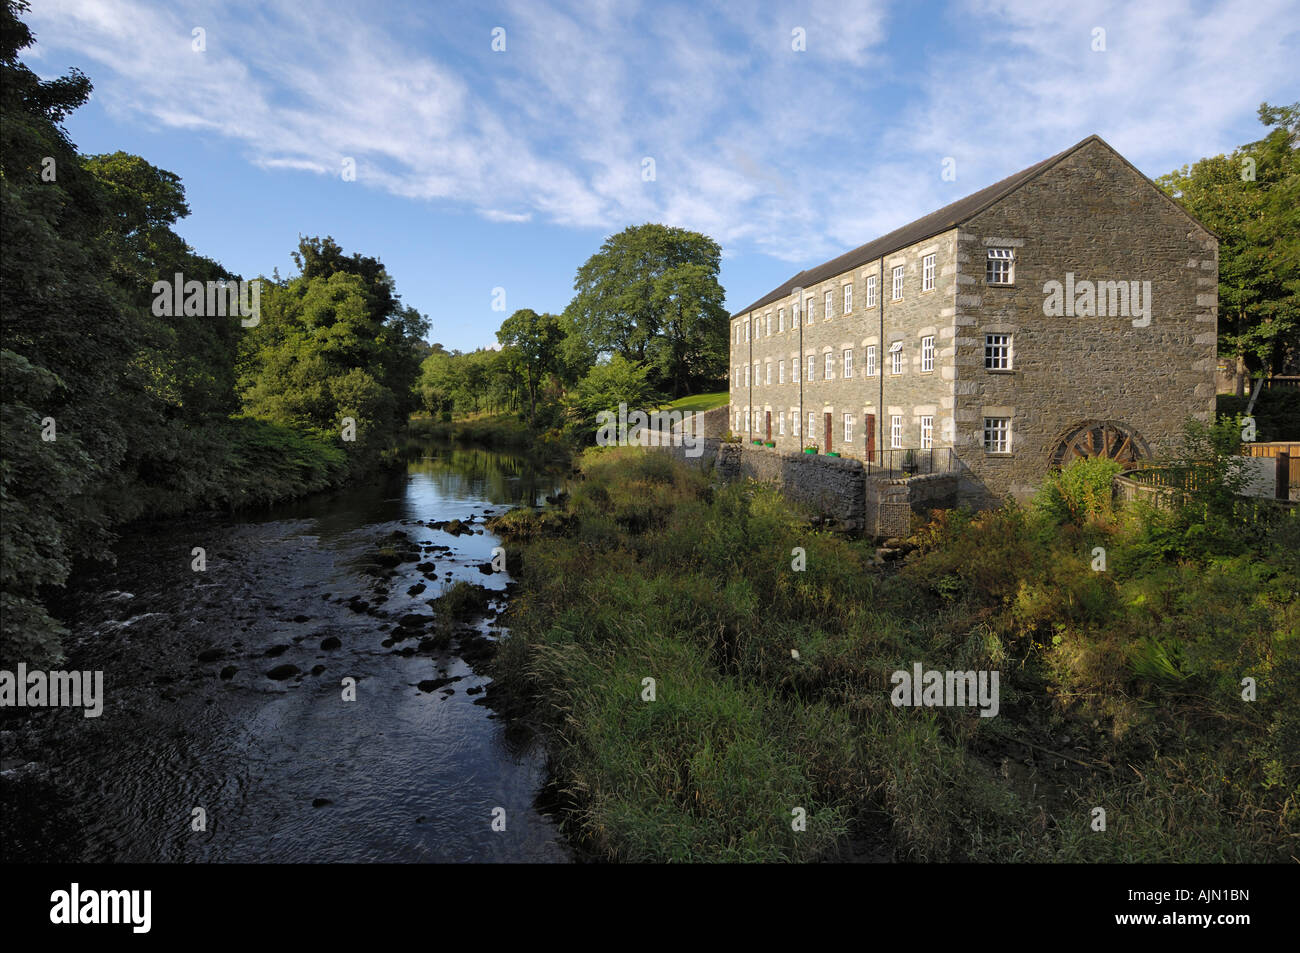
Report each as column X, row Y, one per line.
column 848, row 363
column 780, row 423
column 828, row 372
column 871, row 291
column 746, row 375
column 1000, row 268
column 871, row 360
column 780, row 372
column 808, row 306
column 896, row 431
column 794, row 423
column 780, row 320
column 747, row 329
column 997, row 434
column 927, row 273
column 737, row 332
column 927, row 432
column 997, row 352
column 794, row 370
column 737, row 421
column 769, row 324
column 848, row 298
column 794, row 314
column 927, row 353
column 812, row 368
column 848, row 428
column 897, row 292
column 769, row 372
column 746, row 420
column 828, row 305
column 812, row 427
column 896, row 357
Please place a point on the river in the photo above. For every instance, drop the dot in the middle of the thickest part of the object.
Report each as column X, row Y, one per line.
column 416, row 768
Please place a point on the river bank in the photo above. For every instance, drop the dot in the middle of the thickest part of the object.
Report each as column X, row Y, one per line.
column 717, row 679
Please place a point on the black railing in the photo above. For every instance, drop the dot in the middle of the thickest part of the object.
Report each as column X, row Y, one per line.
column 898, row 462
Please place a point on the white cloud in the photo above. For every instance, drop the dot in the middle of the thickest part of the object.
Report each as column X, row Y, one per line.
column 796, row 154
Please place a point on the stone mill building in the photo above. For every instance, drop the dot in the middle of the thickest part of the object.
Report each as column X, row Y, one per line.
column 1067, row 310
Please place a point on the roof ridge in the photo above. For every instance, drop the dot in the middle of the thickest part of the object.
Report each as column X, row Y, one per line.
column 940, row 220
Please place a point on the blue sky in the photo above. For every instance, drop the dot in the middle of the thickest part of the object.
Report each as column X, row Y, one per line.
column 479, row 169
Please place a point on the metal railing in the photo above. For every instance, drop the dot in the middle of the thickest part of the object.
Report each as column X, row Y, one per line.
column 899, row 462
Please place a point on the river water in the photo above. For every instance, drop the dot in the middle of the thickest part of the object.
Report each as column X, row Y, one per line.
column 286, row 770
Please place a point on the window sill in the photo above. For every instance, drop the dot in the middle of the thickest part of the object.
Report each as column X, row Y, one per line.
column 999, row 454
column 1004, row 371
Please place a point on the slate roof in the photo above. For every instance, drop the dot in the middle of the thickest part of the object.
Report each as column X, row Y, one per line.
column 950, row 216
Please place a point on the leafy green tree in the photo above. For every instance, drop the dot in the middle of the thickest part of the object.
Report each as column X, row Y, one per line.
column 616, row 381
column 1251, row 200
column 532, row 342
column 639, row 283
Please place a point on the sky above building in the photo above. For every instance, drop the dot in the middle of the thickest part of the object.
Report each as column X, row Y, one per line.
column 484, row 151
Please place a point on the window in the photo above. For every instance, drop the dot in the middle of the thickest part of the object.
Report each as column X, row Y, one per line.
column 737, row 334
column 871, row 360
column 737, row 421
column 848, row 362
column 756, row 373
column 746, row 420
column 780, row 372
column 812, row 368
column 780, row 320
column 997, row 434
column 812, row 426
column 897, row 293
column 769, row 324
column 848, row 298
column 896, row 431
column 848, row 428
column 808, row 306
column 896, row 357
column 746, row 375
column 780, row 423
column 1000, row 268
column 829, row 305
column 746, row 329
column 794, row 421
column 769, row 372
column 794, row 369
column 927, row 432
column 927, row 273
column 927, row 353
column 828, row 372
column 997, row 352
column 871, row 291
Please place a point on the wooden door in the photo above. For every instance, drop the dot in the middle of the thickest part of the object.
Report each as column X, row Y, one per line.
column 871, row 438
column 768, row 421
column 829, row 427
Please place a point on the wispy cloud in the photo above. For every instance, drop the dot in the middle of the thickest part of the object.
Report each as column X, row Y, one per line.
column 798, row 154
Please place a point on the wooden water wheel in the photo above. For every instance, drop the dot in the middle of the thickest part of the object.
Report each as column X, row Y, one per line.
column 1099, row 438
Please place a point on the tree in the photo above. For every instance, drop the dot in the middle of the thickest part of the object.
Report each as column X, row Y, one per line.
column 532, row 341
column 1251, row 200
column 629, row 290
column 616, row 381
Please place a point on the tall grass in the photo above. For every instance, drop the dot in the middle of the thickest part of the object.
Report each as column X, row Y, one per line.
column 1119, row 688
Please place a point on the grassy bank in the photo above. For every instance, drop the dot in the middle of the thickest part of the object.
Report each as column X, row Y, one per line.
column 1119, row 689
column 698, row 403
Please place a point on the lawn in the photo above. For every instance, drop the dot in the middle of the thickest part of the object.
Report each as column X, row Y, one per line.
column 699, row 402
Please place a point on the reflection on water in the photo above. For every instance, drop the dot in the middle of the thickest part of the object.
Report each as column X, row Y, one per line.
column 282, row 770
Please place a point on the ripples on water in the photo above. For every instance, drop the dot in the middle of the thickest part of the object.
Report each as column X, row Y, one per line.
column 411, row 776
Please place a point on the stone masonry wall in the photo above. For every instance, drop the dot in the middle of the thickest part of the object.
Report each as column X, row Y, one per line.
column 909, row 394
column 1094, row 216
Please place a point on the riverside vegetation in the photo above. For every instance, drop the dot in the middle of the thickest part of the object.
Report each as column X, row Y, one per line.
column 1121, row 688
